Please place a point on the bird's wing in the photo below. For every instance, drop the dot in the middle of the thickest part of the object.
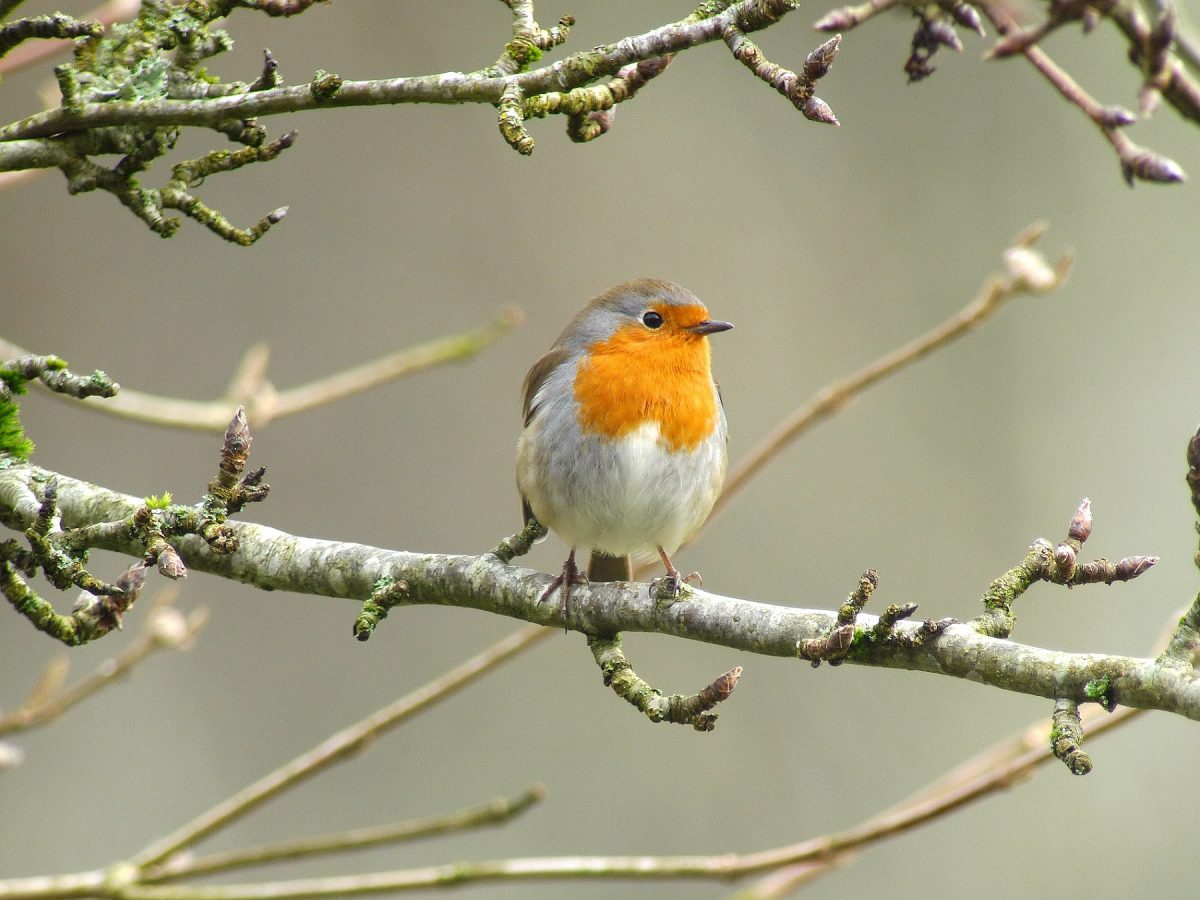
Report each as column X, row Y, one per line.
column 537, row 376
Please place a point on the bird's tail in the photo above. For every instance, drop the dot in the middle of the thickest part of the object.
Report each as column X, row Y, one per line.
column 602, row 567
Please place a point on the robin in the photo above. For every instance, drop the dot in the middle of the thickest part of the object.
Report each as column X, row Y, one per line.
column 624, row 446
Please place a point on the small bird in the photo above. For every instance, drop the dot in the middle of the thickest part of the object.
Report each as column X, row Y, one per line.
column 624, row 445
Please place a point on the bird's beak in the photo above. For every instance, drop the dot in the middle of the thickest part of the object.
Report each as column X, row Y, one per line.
column 709, row 326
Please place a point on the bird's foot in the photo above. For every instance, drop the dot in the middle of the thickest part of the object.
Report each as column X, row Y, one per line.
column 570, row 576
column 668, row 588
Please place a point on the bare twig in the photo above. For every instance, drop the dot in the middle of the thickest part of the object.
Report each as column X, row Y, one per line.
column 1024, row 276
column 1027, row 274
column 336, row 748
column 1005, row 764
column 499, row 811
column 166, row 629
column 1136, row 162
column 264, row 403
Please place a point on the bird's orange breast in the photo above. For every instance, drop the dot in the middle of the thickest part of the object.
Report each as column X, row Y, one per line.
column 639, row 376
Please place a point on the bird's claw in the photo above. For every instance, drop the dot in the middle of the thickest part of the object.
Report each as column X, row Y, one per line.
column 570, row 576
column 671, row 587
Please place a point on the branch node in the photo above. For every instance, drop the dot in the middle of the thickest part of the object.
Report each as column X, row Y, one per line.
column 325, row 86
column 512, row 120
column 1066, row 737
column 520, row 543
column 388, row 593
column 269, row 77
column 835, row 646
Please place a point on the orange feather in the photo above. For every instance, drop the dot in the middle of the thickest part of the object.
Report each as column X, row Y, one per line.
column 640, row 375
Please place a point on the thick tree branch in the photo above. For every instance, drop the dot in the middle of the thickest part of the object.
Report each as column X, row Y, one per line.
column 272, row 559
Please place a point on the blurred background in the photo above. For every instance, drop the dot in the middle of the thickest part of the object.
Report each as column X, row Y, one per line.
column 827, row 247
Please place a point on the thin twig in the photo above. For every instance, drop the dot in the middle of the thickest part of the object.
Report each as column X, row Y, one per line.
column 500, row 810
column 263, row 403
column 1136, row 162
column 165, row 629
column 835, row 397
column 977, row 779
column 338, row 747
column 1005, row 764
column 998, row 768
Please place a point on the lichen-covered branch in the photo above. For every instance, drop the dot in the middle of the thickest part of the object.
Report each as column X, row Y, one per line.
column 133, row 89
column 796, row 87
column 61, row 553
column 677, row 709
column 48, row 27
column 1058, row 565
column 1066, row 737
column 273, row 559
column 574, row 71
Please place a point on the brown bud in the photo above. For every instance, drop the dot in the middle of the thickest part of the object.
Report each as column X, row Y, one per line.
column 170, row 564
column 943, row 32
column 934, row 628
column 817, row 110
column 1091, row 18
column 132, row 580
column 237, row 434
column 819, row 60
column 1081, row 523
column 1133, row 566
column 894, row 613
column 721, row 688
column 1193, row 451
column 968, row 17
column 1064, row 560
column 1149, row 166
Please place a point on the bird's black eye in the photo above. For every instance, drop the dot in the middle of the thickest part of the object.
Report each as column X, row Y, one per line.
column 652, row 319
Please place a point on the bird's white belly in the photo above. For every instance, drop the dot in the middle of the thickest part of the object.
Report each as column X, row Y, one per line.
column 628, row 495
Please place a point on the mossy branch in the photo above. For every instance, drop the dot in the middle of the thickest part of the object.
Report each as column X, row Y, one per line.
column 272, row 559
